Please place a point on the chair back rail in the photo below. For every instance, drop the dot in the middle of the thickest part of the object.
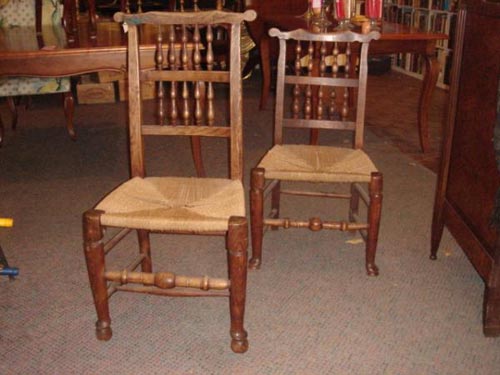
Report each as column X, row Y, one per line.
column 185, row 75
column 322, row 98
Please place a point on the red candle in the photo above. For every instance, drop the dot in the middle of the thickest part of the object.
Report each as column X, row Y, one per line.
column 339, row 8
column 316, row 4
column 374, row 8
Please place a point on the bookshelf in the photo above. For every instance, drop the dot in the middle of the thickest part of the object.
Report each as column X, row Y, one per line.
column 430, row 15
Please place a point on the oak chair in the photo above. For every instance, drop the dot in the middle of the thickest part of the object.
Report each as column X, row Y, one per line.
column 44, row 17
column 220, row 43
column 318, row 97
column 176, row 205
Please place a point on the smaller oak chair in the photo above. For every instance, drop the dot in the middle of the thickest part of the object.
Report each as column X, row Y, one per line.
column 38, row 14
column 169, row 204
column 312, row 98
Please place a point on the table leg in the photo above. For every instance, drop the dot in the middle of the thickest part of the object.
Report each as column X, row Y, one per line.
column 92, row 18
column 429, row 83
column 69, row 19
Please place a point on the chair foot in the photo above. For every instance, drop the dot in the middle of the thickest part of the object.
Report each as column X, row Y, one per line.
column 239, row 343
column 103, row 331
column 371, row 269
column 254, row 263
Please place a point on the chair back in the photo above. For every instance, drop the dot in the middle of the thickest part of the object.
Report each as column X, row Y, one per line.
column 186, row 77
column 326, row 87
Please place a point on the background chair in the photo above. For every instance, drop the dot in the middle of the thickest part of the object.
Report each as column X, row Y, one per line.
column 318, row 97
column 176, row 205
column 39, row 14
column 258, row 29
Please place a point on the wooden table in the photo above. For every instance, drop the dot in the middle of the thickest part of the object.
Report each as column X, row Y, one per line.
column 105, row 49
column 24, row 53
column 20, row 56
column 395, row 38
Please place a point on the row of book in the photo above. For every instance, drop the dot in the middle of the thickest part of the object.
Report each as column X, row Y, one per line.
column 445, row 5
column 428, row 20
column 414, row 65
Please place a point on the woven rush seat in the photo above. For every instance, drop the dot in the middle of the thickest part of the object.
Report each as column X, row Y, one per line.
column 317, row 163
column 174, row 204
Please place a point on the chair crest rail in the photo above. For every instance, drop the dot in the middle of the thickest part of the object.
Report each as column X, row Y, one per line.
column 344, row 36
column 185, row 18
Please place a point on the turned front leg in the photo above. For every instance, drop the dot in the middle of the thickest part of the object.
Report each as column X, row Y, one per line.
column 374, row 213
column 354, row 205
column 257, row 216
column 94, row 256
column 237, row 243
column 145, row 250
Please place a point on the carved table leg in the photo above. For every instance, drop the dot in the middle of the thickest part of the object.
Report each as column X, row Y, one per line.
column 197, row 156
column 430, row 79
column 92, row 18
column 69, row 111
column 1, row 131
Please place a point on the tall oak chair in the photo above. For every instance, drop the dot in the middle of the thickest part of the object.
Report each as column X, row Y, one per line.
column 176, row 205
column 319, row 96
column 40, row 15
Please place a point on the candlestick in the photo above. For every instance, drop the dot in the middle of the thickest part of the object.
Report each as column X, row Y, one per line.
column 343, row 13
column 374, row 13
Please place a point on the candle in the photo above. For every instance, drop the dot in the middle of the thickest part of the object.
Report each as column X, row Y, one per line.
column 339, row 9
column 374, row 9
column 316, row 4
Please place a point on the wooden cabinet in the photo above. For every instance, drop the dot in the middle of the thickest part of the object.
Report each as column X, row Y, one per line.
column 469, row 177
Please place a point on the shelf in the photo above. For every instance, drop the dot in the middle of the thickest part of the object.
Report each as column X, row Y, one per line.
column 429, row 15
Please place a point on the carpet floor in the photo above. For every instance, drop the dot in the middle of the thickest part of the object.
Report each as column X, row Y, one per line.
column 311, row 309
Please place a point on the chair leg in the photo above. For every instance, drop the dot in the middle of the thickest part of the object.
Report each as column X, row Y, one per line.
column 94, row 256
column 374, row 213
column 197, row 157
column 1, row 131
column 353, row 205
column 145, row 249
column 69, row 110
column 92, row 18
column 237, row 243
column 13, row 110
column 275, row 202
column 256, row 216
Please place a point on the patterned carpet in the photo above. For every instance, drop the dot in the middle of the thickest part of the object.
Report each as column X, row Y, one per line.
column 310, row 309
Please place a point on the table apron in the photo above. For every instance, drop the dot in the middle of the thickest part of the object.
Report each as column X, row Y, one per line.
column 421, row 47
column 69, row 62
